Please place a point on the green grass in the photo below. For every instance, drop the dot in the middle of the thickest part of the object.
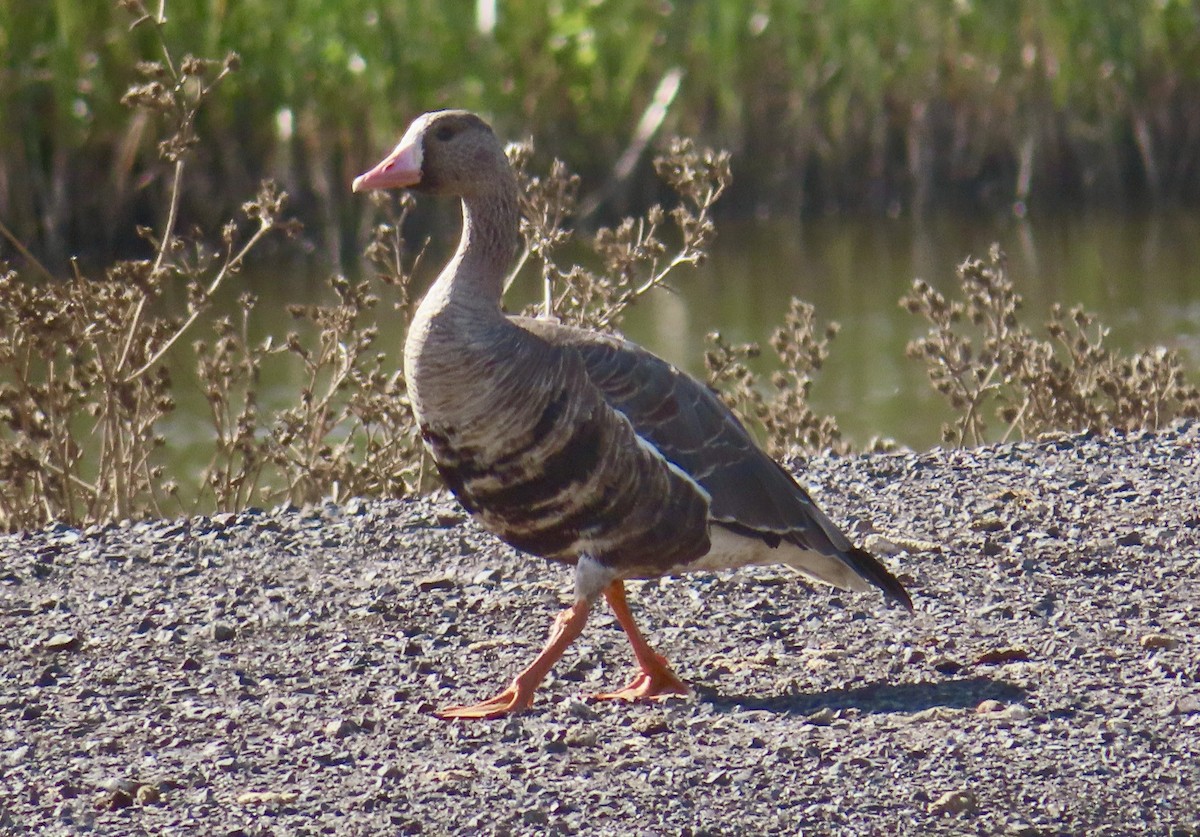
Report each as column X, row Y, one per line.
column 882, row 106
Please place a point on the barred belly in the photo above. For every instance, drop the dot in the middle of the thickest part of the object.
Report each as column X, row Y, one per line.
column 576, row 480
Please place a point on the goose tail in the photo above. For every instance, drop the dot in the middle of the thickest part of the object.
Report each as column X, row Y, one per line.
column 870, row 568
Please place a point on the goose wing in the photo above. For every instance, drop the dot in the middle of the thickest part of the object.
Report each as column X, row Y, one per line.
column 751, row 493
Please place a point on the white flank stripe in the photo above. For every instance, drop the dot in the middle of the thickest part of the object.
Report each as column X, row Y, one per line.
column 649, row 447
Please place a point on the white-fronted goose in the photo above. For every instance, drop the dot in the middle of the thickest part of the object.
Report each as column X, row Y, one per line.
column 581, row 447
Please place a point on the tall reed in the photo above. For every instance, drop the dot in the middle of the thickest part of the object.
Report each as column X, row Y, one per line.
column 876, row 105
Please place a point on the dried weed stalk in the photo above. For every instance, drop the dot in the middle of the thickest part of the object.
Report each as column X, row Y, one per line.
column 783, row 413
column 350, row 431
column 634, row 257
column 83, row 386
column 982, row 358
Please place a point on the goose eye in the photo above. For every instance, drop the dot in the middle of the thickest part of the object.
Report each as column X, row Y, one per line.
column 444, row 133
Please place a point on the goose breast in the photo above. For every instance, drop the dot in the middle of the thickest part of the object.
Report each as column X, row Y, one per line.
column 535, row 452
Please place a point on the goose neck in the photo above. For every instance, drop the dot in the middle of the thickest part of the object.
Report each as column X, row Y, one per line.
column 485, row 250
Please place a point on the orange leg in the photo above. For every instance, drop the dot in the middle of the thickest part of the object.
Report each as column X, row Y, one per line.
column 655, row 680
column 519, row 696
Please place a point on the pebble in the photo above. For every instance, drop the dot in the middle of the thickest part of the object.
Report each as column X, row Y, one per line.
column 340, row 728
column 822, row 717
column 1154, row 642
column 648, row 725
column 1055, row 716
column 1189, row 705
column 954, row 802
column 266, row 797
column 62, row 642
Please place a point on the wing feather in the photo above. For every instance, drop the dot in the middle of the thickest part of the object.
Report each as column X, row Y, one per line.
column 685, row 420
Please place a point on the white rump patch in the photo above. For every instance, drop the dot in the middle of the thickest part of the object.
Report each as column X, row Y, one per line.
column 731, row 550
column 591, row 578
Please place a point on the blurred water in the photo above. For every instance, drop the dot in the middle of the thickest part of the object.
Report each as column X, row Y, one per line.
column 1140, row 274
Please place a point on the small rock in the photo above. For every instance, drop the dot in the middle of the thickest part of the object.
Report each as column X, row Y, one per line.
column 651, row 725
column 389, row 772
column 266, row 797
column 340, row 728
column 70, row 537
column 488, row 576
column 1016, row 712
column 581, row 710
column 439, row 582
column 998, row 656
column 822, row 717
column 1130, row 539
column 1187, row 705
column 954, row 802
column 62, row 642
column 1153, row 642
column 534, row 816
column 222, row 631
column 148, row 795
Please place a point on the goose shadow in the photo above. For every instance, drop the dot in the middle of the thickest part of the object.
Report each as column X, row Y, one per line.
column 874, row 698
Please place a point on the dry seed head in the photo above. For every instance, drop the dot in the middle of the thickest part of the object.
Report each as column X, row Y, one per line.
column 193, row 66
column 151, row 69
column 152, row 95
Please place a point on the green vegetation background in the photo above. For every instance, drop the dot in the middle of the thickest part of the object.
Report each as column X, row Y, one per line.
column 827, row 106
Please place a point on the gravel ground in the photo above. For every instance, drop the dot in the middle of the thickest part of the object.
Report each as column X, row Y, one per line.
column 275, row 672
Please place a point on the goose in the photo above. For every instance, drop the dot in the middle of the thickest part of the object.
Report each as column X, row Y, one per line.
column 581, row 447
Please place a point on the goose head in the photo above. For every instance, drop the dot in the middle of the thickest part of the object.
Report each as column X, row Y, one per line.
column 446, row 152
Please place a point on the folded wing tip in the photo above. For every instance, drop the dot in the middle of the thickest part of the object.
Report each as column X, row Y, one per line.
column 870, row 568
